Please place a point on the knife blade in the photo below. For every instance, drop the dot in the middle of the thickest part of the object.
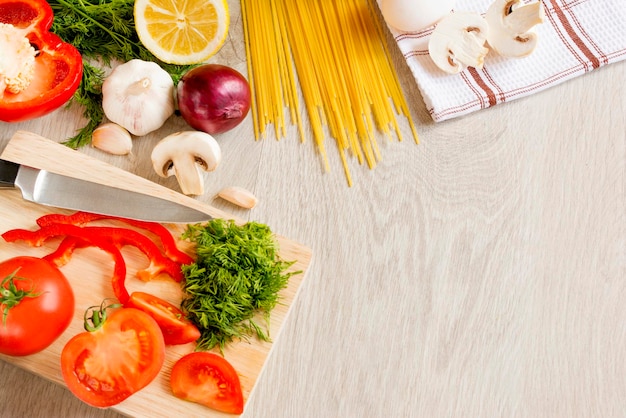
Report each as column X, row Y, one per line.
column 51, row 189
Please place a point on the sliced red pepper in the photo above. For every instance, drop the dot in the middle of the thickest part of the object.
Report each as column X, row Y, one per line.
column 58, row 66
column 165, row 236
column 64, row 251
column 61, row 256
column 118, row 236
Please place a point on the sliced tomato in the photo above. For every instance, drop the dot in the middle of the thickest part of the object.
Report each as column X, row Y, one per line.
column 207, row 379
column 117, row 359
column 175, row 327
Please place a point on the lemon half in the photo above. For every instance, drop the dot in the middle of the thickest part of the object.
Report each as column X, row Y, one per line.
column 182, row 31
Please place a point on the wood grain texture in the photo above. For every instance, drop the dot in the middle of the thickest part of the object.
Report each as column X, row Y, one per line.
column 478, row 274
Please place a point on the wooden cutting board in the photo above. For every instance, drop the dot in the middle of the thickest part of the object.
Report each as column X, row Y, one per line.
column 90, row 269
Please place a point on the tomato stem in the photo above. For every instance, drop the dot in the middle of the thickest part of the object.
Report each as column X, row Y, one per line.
column 98, row 315
column 11, row 296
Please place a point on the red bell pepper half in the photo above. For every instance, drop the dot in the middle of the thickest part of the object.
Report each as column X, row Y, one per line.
column 48, row 82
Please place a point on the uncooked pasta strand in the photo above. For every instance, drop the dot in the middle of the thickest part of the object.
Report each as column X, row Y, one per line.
column 336, row 53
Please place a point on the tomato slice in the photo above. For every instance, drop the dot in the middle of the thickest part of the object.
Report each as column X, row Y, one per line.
column 105, row 366
column 207, row 379
column 175, row 327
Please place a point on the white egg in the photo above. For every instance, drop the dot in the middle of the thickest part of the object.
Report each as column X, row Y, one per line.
column 414, row 15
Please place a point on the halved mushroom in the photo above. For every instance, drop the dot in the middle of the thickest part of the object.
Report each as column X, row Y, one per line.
column 186, row 155
column 510, row 22
column 458, row 42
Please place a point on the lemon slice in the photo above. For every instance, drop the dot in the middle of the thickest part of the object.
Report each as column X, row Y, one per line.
column 182, row 32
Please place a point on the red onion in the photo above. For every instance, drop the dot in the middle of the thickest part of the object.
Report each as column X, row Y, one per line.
column 213, row 98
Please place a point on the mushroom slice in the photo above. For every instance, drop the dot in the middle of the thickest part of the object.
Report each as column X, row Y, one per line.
column 510, row 23
column 186, row 155
column 458, row 42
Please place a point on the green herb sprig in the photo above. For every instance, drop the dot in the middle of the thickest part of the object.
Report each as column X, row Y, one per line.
column 236, row 276
column 103, row 31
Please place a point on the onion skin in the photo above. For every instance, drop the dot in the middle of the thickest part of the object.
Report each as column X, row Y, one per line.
column 213, row 98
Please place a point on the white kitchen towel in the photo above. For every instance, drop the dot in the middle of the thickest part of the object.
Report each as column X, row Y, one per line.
column 576, row 37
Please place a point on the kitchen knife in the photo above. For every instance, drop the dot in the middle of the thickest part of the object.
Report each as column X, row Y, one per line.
column 50, row 189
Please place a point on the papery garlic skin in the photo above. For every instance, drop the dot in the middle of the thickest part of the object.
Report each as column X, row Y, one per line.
column 112, row 138
column 414, row 15
column 139, row 96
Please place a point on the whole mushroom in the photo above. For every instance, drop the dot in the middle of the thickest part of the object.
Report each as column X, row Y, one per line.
column 187, row 155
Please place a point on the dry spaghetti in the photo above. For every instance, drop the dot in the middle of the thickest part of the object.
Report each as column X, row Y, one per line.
column 336, row 53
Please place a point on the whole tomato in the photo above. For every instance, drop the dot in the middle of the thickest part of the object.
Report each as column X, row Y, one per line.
column 36, row 304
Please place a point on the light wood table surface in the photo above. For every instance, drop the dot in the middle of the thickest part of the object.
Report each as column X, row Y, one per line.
column 481, row 273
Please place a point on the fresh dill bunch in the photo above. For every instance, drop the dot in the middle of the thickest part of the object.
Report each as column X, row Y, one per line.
column 237, row 275
column 100, row 29
column 104, row 32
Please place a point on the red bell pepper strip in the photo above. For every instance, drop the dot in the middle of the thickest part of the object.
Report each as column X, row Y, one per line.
column 118, row 236
column 57, row 69
column 61, row 256
column 64, row 251
column 80, row 218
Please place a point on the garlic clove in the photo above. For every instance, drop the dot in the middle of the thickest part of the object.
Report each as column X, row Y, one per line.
column 238, row 196
column 112, row 138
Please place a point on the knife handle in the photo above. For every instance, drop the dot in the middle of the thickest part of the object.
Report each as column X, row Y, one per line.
column 8, row 173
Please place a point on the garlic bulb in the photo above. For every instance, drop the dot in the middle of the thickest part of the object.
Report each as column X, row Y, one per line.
column 414, row 15
column 139, row 96
column 112, row 138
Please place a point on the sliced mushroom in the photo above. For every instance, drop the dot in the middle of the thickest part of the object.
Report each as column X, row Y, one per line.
column 186, row 155
column 458, row 42
column 510, row 23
